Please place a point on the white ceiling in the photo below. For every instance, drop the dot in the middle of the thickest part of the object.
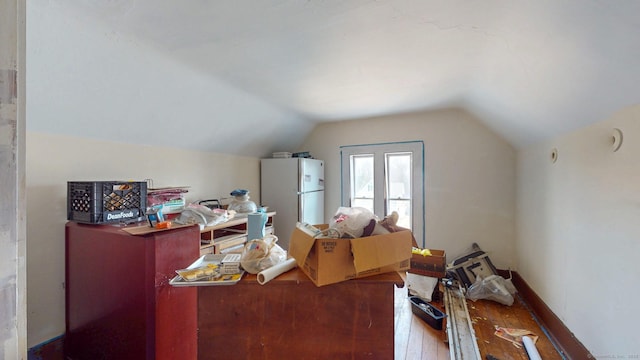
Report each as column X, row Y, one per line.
column 530, row 70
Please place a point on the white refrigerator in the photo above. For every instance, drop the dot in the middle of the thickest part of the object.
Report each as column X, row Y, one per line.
column 294, row 189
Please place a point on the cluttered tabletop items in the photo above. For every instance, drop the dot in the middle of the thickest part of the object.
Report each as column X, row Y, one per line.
column 166, row 209
column 354, row 245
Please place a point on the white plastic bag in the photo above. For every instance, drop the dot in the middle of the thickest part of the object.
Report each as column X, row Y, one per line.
column 352, row 222
column 202, row 215
column 493, row 287
column 261, row 254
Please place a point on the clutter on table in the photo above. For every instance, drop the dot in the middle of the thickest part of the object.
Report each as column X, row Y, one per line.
column 210, row 270
column 203, row 216
column 261, row 254
column 241, row 203
column 354, row 244
column 211, row 203
column 103, row 202
column 169, row 200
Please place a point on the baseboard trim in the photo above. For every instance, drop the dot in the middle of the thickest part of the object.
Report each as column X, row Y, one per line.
column 569, row 345
column 49, row 350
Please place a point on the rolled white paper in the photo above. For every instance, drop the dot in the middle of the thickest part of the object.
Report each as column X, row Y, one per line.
column 271, row 273
column 532, row 351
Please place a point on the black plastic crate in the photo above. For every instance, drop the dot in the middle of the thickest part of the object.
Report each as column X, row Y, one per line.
column 427, row 312
column 100, row 202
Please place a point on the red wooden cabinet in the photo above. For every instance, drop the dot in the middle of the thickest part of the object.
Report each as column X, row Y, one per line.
column 119, row 304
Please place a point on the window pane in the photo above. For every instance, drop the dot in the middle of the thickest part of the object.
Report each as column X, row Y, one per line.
column 398, row 175
column 365, row 203
column 362, row 177
column 398, row 179
column 403, row 207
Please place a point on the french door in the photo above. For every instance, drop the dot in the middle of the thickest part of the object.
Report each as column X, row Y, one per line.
column 385, row 178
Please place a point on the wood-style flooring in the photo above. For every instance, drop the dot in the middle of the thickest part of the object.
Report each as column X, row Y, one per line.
column 416, row 340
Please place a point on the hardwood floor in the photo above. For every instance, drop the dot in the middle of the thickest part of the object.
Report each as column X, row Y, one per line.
column 416, row 340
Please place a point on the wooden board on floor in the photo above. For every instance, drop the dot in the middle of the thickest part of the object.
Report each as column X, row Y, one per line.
column 462, row 338
column 487, row 314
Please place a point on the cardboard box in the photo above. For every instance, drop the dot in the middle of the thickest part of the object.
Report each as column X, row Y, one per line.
column 328, row 260
column 433, row 266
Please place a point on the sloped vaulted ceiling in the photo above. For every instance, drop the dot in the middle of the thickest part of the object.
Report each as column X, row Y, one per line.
column 528, row 69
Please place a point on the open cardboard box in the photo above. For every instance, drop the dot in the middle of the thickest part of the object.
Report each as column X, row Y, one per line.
column 329, row 260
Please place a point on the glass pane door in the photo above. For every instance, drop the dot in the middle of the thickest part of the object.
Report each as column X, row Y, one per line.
column 398, row 180
column 362, row 181
column 385, row 178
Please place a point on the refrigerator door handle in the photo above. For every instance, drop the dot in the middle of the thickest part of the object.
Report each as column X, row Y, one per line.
column 308, row 192
column 300, row 207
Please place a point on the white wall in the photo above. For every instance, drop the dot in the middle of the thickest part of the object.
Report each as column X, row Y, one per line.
column 89, row 79
column 52, row 160
column 470, row 176
column 578, row 232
